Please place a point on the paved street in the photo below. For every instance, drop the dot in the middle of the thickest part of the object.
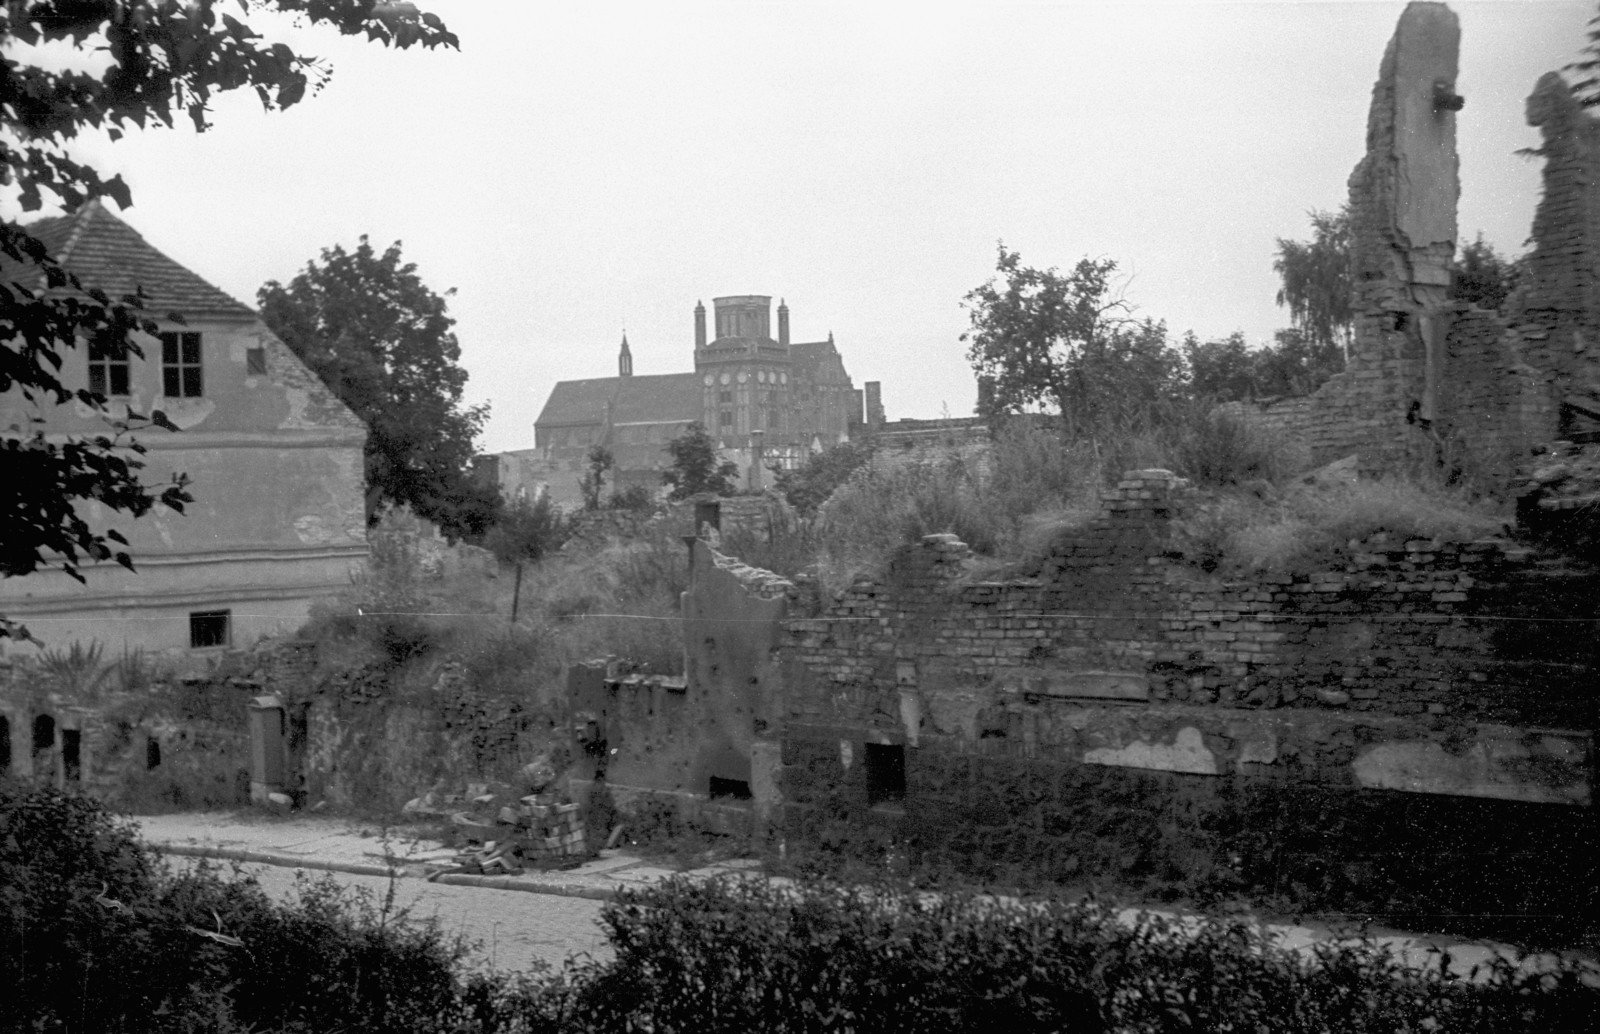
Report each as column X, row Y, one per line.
column 514, row 928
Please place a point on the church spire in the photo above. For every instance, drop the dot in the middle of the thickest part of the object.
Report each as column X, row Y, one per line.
column 625, row 358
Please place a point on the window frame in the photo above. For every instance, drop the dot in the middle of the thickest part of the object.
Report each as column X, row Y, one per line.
column 181, row 375
column 106, row 361
column 196, row 629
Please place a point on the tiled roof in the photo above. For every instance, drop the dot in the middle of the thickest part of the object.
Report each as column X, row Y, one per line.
column 107, row 253
column 659, row 398
column 663, row 398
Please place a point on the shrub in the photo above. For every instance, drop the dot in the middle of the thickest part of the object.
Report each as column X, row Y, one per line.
column 809, row 486
column 740, row 955
column 1221, row 448
column 98, row 936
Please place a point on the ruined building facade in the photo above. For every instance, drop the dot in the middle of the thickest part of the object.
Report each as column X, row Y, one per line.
column 1436, row 382
column 767, row 400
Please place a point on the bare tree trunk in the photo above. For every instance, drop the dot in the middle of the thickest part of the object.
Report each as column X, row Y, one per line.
column 516, row 593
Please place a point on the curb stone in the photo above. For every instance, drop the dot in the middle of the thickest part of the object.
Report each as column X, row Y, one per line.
column 234, row 854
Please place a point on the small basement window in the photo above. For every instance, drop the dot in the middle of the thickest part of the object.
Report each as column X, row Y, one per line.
column 208, row 628
column 737, row 789
column 886, row 773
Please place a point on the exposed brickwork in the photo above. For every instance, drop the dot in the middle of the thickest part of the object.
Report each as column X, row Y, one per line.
column 1401, row 628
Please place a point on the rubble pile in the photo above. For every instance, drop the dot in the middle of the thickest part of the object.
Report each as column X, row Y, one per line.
column 1568, row 478
column 539, row 830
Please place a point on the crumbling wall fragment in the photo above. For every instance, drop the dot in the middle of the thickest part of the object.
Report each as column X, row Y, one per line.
column 1403, row 196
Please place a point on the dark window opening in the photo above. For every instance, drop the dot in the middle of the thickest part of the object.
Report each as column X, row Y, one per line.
column 44, row 733
column 737, row 789
column 108, row 367
column 152, row 753
column 727, row 419
column 725, row 397
column 71, row 755
column 208, row 628
column 180, row 365
column 886, row 773
column 255, row 362
column 5, row 745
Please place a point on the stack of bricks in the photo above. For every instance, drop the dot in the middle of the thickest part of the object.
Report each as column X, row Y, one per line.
column 548, row 829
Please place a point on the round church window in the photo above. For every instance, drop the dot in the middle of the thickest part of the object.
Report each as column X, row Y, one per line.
column 761, row 375
column 783, row 377
column 725, row 378
column 710, row 379
column 743, row 376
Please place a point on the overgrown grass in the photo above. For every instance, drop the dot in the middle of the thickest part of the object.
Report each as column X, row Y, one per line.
column 1010, row 499
column 1306, row 527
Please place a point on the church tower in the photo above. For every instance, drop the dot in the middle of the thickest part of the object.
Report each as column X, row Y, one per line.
column 744, row 373
column 625, row 358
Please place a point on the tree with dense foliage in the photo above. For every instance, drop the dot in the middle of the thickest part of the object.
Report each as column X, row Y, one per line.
column 695, row 467
column 1228, row 370
column 1585, row 72
column 381, row 339
column 1483, row 276
column 1042, row 338
column 152, row 62
column 1317, row 282
column 809, row 485
column 593, row 482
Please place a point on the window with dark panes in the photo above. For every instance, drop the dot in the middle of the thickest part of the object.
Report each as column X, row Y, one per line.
column 209, row 628
column 108, row 367
column 727, row 419
column 180, row 365
column 255, row 362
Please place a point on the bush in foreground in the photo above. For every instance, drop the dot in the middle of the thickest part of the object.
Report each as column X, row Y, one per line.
column 98, row 937
column 742, row 956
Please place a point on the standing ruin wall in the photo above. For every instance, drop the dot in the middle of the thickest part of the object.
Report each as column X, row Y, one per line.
column 1432, row 382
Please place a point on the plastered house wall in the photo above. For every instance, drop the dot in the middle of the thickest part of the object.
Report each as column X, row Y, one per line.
column 278, row 518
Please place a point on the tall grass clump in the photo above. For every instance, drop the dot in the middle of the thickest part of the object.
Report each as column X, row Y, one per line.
column 1220, row 448
column 1310, row 526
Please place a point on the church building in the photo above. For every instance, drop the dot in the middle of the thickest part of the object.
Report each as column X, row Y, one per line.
column 767, row 401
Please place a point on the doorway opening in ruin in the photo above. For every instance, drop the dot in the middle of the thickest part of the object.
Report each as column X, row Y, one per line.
column 735, row 789
column 71, row 755
column 5, row 745
column 44, row 745
column 886, row 773
column 152, row 753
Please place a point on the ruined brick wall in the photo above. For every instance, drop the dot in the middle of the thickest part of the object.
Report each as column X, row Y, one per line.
column 1558, row 303
column 1366, row 736
column 1433, row 383
column 1398, row 628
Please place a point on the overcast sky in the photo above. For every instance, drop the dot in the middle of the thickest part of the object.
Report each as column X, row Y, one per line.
column 579, row 168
